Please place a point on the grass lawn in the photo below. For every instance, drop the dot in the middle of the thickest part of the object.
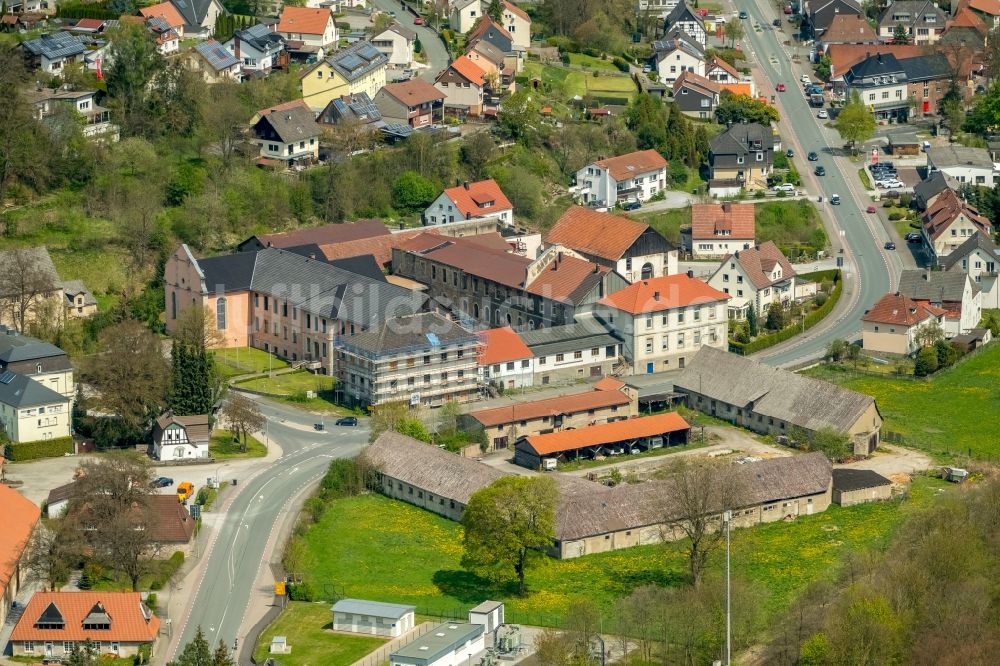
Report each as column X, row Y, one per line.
column 223, row 446
column 160, row 572
column 306, row 625
column 794, row 226
column 952, row 413
column 565, row 83
column 290, row 388
column 245, row 361
column 582, row 60
column 865, row 179
column 357, row 547
column 667, row 222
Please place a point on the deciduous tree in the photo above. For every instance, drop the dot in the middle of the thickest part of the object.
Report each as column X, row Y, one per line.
column 243, row 415
column 733, row 31
column 135, row 62
column 855, row 122
column 26, row 283
column 735, row 109
column 53, row 553
column 506, row 524
column 412, row 192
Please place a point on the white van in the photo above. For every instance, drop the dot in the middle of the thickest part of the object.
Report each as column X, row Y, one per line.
column 549, row 464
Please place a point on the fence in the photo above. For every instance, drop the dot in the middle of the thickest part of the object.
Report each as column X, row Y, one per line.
column 381, row 655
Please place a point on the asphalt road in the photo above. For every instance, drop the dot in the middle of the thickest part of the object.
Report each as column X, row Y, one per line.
column 437, row 56
column 870, row 270
column 237, row 549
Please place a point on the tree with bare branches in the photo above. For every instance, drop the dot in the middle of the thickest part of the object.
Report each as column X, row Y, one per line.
column 243, row 415
column 53, row 552
column 27, row 279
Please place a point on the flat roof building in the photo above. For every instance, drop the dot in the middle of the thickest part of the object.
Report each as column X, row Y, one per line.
column 448, row 644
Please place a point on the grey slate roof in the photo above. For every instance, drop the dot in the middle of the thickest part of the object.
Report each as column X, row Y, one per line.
column 405, row 33
column 912, row 14
column 935, row 184
column 20, row 391
column 39, row 256
column 357, row 60
column 846, row 479
column 680, row 13
column 683, row 41
column 801, row 401
column 584, row 334
column 427, row 330
column 956, row 155
column 216, row 55
column 228, row 272
column 926, row 67
column 193, row 11
column 871, row 68
column 15, row 347
column 358, row 106
column 73, row 288
column 262, row 37
column 57, row 45
column 975, row 242
column 737, row 140
column 293, row 125
column 934, row 286
column 374, row 608
column 424, row 466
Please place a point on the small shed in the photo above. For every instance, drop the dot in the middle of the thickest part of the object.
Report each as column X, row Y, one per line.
column 904, row 144
column 954, row 474
column 58, row 500
column 374, row 618
column 279, row 645
column 489, row 614
column 859, row 486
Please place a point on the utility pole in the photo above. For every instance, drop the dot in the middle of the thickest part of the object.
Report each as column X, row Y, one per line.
column 727, row 517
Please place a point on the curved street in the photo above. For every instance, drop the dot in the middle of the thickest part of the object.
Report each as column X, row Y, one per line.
column 430, row 40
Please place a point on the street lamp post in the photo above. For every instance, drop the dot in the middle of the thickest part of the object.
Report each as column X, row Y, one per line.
column 727, row 517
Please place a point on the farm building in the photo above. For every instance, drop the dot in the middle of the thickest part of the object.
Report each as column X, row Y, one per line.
column 773, row 401
column 448, row 644
column 858, row 486
column 374, row 618
column 643, row 433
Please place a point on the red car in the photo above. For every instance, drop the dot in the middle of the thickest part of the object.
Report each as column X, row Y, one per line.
column 780, row 87
column 788, row 9
column 871, row 209
column 418, row 21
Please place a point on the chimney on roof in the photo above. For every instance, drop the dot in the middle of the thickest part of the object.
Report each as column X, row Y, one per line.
column 269, row 243
column 879, row 58
column 727, row 207
column 690, row 273
column 656, row 295
column 312, row 255
column 465, row 184
column 927, row 274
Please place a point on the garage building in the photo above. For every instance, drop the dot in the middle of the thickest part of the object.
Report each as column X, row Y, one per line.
column 373, row 618
column 858, row 486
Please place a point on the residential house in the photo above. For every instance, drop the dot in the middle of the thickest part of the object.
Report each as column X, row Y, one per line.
column 949, row 222
column 372, row 618
column 893, row 324
column 666, row 320
column 847, row 29
column 464, row 15
column 487, row 285
column 359, row 67
column 199, row 16
column 922, row 20
column 675, row 56
column 96, row 119
column 40, row 295
column 503, row 426
column 773, row 401
column 42, row 361
column 443, row 645
column 213, row 62
column 928, row 78
column 170, row 524
column 168, row 40
column 489, row 30
column 606, row 182
column 818, row 15
column 845, row 56
column 328, row 234
column 289, row 137
column 79, row 301
column 966, row 30
column 462, row 83
column 258, row 49
column 583, row 350
column 516, row 22
column 696, row 96
column 167, row 14
column 755, row 277
column 880, row 81
column 423, row 359
column 987, row 10
column 504, row 360
column 39, row 8
column 683, row 18
column 742, row 157
column 282, row 302
column 396, row 43
column 859, row 486
column 978, row 257
column 415, row 103
column 53, row 623
column 20, row 517
column 633, row 249
column 963, row 163
column 954, row 291
column 357, row 109
column 50, row 53
column 658, row 8
column 491, row 60
column 309, row 33
column 927, row 191
column 469, row 201
column 30, row 411
column 718, row 70
column 718, row 230
column 179, row 438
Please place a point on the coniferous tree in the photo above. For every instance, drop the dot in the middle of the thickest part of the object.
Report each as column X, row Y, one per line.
column 752, row 321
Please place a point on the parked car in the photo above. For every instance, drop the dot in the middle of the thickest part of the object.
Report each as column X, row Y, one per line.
column 835, row 200
column 418, row 21
column 632, row 204
column 871, row 209
column 789, row 153
column 788, row 9
column 784, row 187
column 161, row 482
column 820, row 171
column 348, row 421
column 646, row 69
column 780, row 87
column 185, row 489
column 744, row 15
column 822, row 114
column 892, row 184
column 893, row 194
column 812, row 156
column 805, row 78
column 912, row 237
column 776, row 23
column 889, row 245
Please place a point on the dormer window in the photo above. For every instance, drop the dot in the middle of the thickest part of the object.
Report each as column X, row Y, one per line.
column 51, row 618
column 97, row 619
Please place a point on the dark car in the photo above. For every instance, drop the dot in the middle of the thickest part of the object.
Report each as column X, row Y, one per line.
column 820, row 171
column 161, row 482
column 348, row 421
column 789, row 153
column 744, row 15
column 776, row 23
column 893, row 194
column 812, row 156
column 889, row 245
column 631, row 205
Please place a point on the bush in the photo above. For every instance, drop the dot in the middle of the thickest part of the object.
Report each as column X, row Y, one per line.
column 895, row 216
column 927, row 362
column 887, row 203
column 151, row 600
column 621, row 64
column 678, row 173
column 48, row 448
column 302, row 592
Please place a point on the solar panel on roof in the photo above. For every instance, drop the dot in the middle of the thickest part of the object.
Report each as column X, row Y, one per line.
column 433, row 339
column 7, row 377
column 367, row 51
column 351, row 62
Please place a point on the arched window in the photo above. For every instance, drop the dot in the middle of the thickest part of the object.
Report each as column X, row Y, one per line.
column 647, row 271
column 220, row 314
column 475, row 310
column 173, row 305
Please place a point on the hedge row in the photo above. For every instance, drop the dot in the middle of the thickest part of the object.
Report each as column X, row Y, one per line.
column 46, row 448
column 811, row 319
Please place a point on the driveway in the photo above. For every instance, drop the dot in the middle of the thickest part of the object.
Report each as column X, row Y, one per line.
column 892, row 460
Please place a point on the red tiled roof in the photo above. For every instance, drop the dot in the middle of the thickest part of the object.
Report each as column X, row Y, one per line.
column 501, row 345
column 849, row 29
column 946, row 209
column 966, row 18
column 514, row 9
column 563, row 404
column 166, row 11
column 901, row 311
column 566, row 279
column 609, row 384
column 326, row 234
column 607, row 433
column 710, row 221
column 633, row 164
column 738, row 88
column 692, row 80
column 469, row 70
column 413, row 92
column 470, row 201
column 126, row 610
column 991, row 7
column 663, row 293
column 379, row 247
column 595, row 233
column 304, row 20
column 845, row 56
column 759, row 261
column 716, row 61
column 91, row 24
column 170, row 520
column 19, row 518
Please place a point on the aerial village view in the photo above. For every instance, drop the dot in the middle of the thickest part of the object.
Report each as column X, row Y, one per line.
column 489, row 332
